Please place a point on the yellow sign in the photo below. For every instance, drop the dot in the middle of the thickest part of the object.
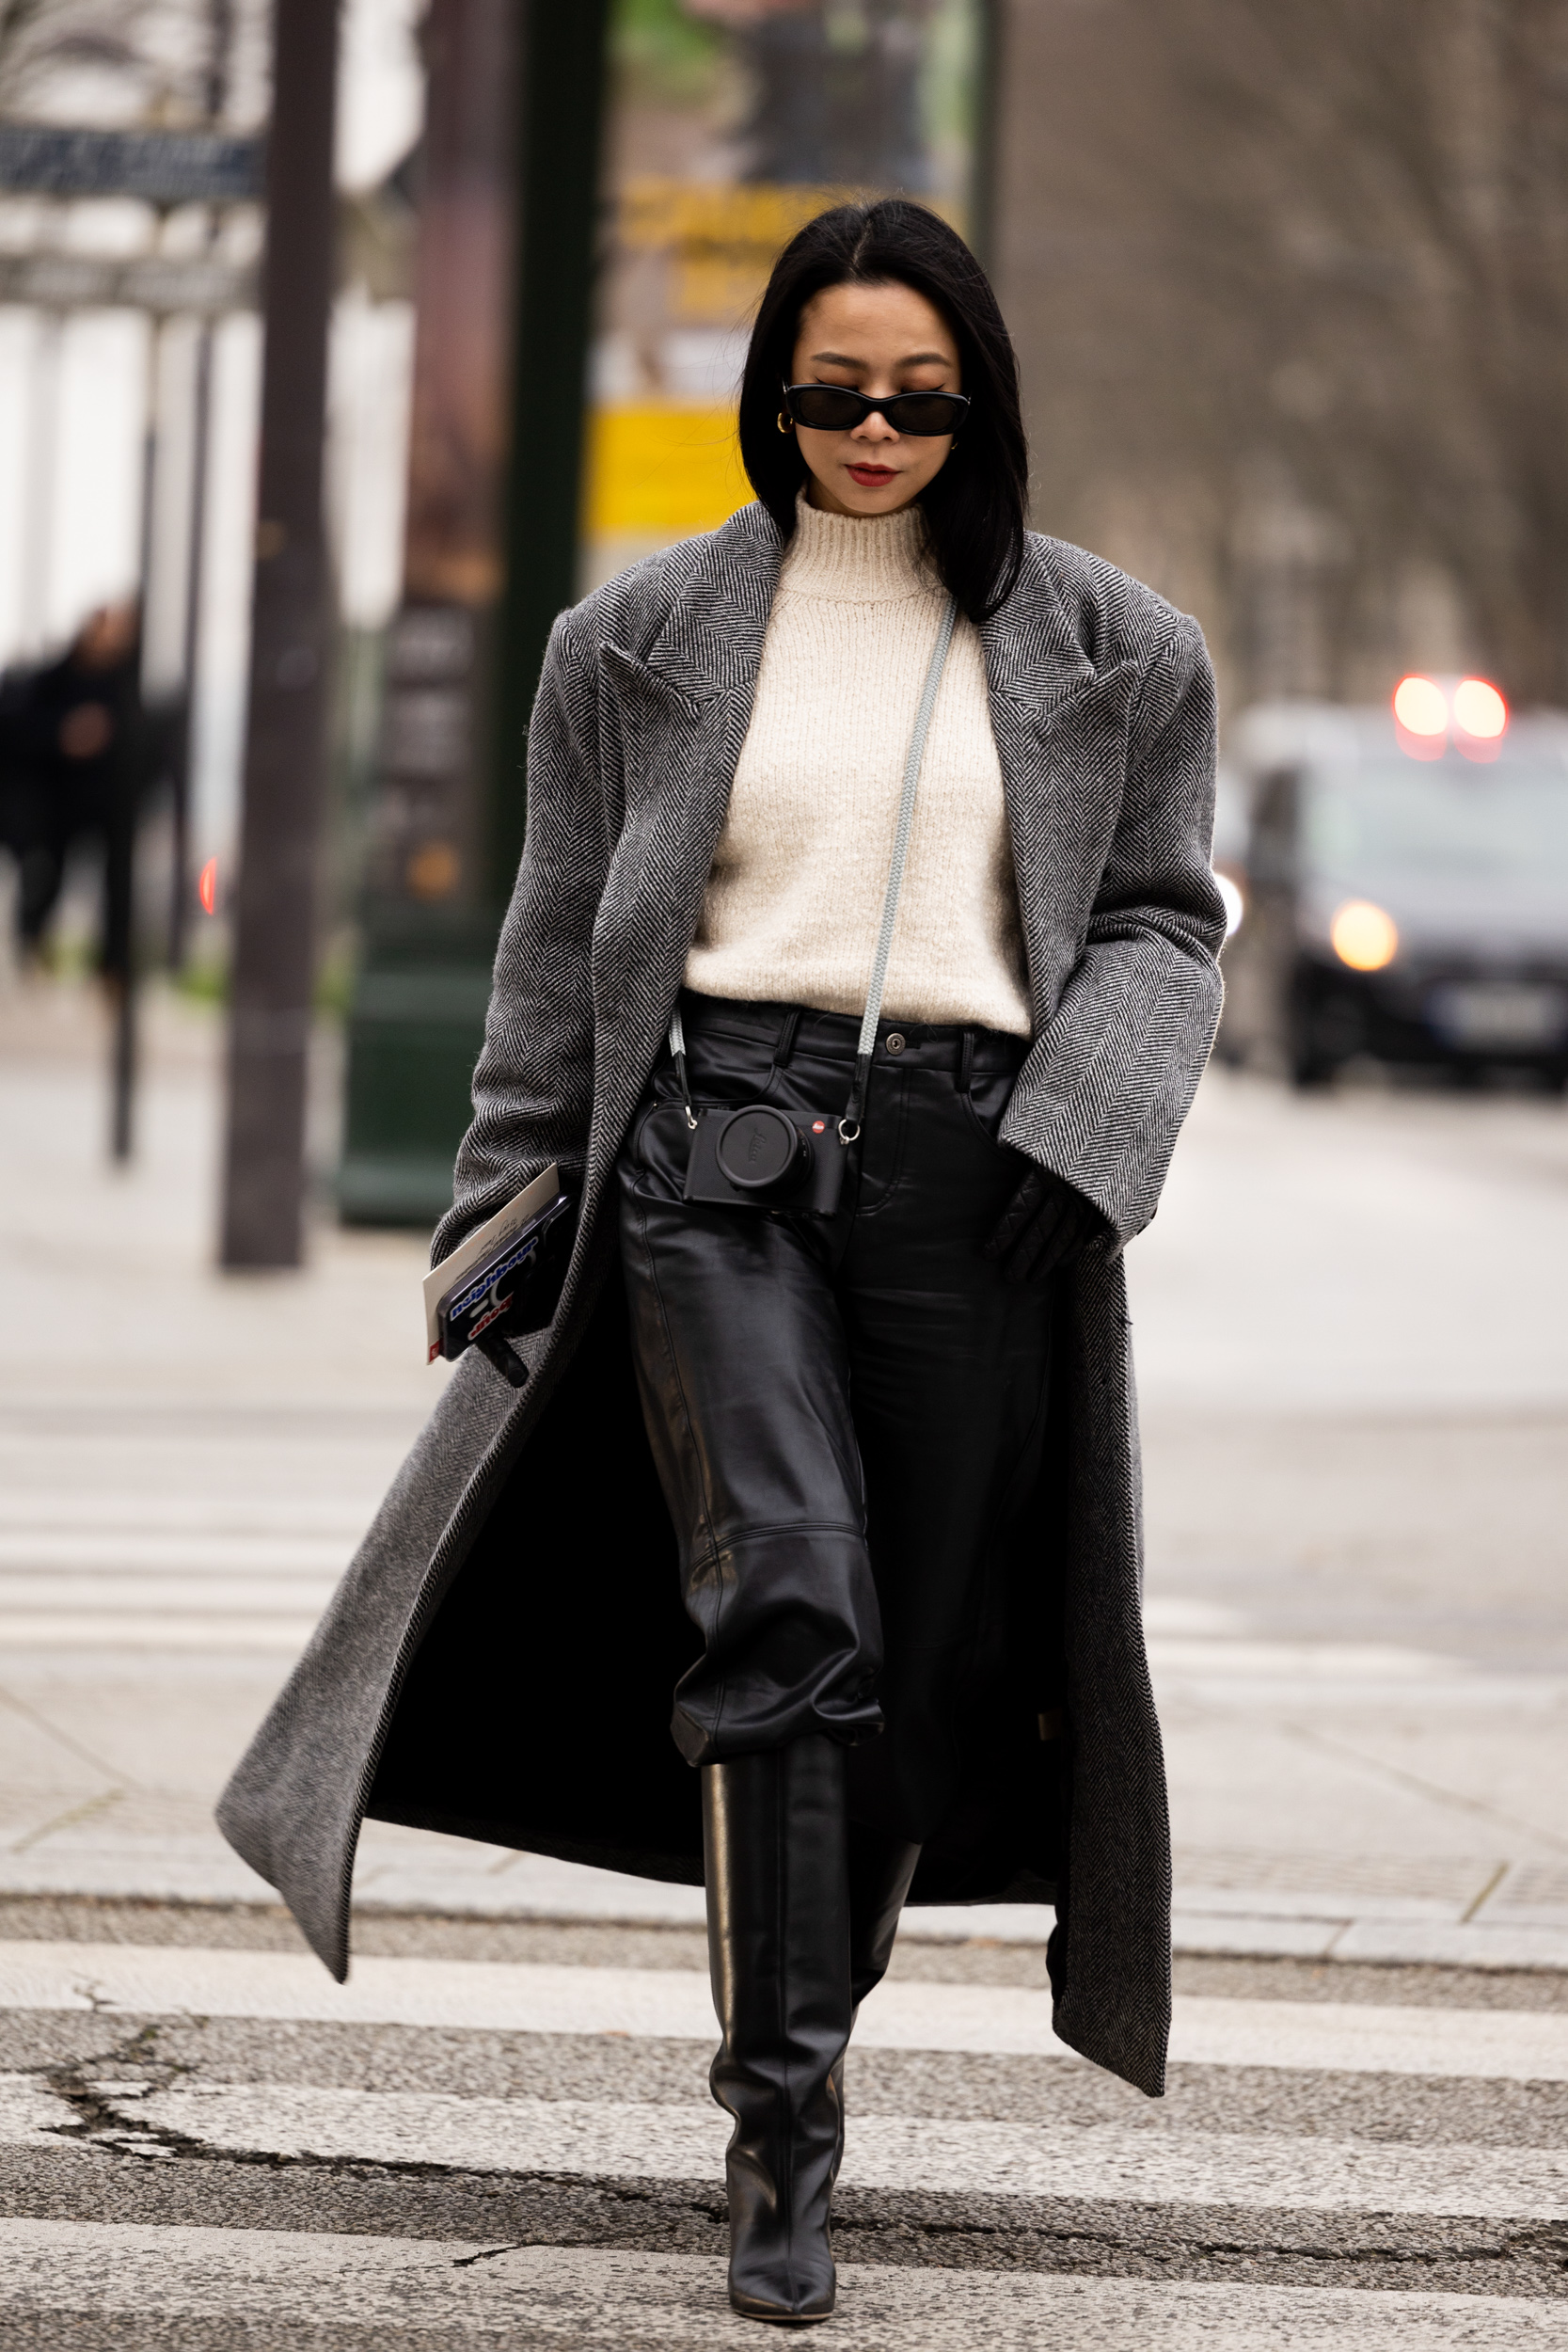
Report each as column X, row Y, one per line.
column 654, row 213
column 724, row 236
column 721, row 237
column 662, row 471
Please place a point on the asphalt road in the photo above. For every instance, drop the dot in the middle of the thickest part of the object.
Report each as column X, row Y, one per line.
column 1351, row 1319
column 210, row 2145
column 1351, row 1330
column 1353, row 1344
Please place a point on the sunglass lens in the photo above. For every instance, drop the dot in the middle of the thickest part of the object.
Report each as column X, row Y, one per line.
column 826, row 407
column 927, row 412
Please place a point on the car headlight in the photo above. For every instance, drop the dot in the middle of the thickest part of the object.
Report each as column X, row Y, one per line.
column 1363, row 936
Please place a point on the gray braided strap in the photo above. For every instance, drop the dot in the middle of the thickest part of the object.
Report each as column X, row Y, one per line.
column 901, row 838
column 850, row 1125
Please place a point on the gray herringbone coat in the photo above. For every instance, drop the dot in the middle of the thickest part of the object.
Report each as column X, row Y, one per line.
column 500, row 1657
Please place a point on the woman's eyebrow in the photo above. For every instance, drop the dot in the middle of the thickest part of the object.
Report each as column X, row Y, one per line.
column 910, row 359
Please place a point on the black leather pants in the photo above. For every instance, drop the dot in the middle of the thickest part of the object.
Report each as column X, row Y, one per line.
column 847, row 1412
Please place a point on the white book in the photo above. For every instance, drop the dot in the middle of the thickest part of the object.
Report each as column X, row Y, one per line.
column 492, row 1236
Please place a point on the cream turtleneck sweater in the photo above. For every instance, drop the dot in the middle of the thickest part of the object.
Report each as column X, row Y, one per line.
column 795, row 897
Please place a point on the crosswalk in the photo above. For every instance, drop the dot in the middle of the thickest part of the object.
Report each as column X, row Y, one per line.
column 200, row 1529
column 142, row 2284
column 214, row 2145
column 192, row 1550
column 498, row 2132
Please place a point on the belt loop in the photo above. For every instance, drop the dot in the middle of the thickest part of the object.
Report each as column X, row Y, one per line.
column 966, row 1061
column 783, row 1044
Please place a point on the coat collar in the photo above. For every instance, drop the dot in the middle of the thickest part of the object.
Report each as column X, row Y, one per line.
column 1034, row 654
column 706, row 638
column 708, row 632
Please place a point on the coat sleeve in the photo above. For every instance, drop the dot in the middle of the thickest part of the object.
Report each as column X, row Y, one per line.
column 534, row 1083
column 1109, row 1080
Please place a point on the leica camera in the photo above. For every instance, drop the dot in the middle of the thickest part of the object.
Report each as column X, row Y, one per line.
column 761, row 1157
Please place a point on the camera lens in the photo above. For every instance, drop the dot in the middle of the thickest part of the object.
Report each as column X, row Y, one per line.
column 759, row 1150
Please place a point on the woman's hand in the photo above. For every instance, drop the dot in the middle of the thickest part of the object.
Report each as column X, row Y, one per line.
column 1044, row 1227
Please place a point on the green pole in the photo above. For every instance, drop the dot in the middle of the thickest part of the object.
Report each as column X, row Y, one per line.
column 562, row 119
column 449, row 823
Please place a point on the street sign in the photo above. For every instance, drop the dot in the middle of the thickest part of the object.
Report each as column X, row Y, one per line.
column 163, row 167
column 166, row 283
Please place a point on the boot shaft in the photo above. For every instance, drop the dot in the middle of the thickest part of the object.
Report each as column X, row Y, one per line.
column 778, row 1901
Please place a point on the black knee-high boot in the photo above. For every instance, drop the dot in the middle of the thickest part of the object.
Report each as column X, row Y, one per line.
column 778, row 1910
column 880, row 1870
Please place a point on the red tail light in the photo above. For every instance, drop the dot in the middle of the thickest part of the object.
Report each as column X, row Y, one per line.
column 1430, row 713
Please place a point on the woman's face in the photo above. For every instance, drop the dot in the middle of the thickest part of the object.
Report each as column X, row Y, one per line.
column 875, row 340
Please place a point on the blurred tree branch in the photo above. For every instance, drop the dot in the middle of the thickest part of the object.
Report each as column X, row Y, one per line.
column 38, row 37
column 1315, row 255
column 158, row 48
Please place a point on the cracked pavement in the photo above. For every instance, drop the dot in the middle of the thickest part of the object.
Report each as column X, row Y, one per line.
column 102, row 2116
column 1352, row 1323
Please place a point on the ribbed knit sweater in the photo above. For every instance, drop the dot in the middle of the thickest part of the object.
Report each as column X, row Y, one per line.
column 794, row 899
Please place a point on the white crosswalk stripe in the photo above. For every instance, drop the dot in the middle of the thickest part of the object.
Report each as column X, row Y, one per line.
column 530, row 2295
column 522, row 2152
column 1328, row 2036
column 638, row 2140
column 200, row 1529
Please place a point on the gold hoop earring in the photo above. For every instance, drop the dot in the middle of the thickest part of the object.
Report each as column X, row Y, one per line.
column 785, row 424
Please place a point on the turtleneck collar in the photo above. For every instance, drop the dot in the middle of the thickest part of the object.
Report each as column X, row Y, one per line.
column 853, row 559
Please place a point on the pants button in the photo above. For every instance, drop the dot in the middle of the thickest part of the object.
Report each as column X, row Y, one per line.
column 897, row 1042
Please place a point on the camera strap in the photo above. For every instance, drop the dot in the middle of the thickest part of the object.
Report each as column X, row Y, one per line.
column 865, row 1045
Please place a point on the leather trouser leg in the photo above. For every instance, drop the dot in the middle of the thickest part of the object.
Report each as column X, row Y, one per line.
column 880, row 1870
column 847, row 1412
column 777, row 1905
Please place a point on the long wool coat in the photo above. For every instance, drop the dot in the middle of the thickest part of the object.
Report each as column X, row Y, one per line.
column 499, row 1658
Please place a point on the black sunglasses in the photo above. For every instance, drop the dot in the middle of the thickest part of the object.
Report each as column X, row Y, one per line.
column 833, row 408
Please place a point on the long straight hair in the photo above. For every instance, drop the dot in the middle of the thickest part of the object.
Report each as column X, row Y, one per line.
column 975, row 507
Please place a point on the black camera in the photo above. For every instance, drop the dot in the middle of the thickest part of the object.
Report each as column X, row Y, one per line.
column 760, row 1157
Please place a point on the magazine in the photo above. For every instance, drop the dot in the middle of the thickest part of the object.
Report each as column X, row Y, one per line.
column 505, row 1278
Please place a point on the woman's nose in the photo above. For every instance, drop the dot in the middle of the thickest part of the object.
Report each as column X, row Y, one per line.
column 875, row 428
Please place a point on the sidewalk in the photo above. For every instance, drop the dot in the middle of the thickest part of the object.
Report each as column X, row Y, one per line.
column 1353, row 1329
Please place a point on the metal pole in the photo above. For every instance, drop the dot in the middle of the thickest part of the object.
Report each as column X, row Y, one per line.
column 992, row 31
column 42, row 485
column 285, row 744
column 201, row 403
column 220, row 28
column 120, row 846
column 562, row 126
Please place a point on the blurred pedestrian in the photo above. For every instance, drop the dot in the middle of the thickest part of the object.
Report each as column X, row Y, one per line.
column 864, row 1259
column 74, row 754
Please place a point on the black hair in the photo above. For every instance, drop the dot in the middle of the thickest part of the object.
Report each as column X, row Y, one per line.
column 974, row 506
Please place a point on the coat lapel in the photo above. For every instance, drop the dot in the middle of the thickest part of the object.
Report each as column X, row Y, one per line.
column 681, row 703
column 1060, row 728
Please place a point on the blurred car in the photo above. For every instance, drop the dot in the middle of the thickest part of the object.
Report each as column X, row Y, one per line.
column 1402, row 891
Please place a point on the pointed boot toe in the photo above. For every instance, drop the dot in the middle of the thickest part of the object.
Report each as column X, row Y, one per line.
column 781, row 2261
column 783, row 2315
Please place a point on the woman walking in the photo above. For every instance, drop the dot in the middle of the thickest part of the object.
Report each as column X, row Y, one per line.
column 858, row 977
